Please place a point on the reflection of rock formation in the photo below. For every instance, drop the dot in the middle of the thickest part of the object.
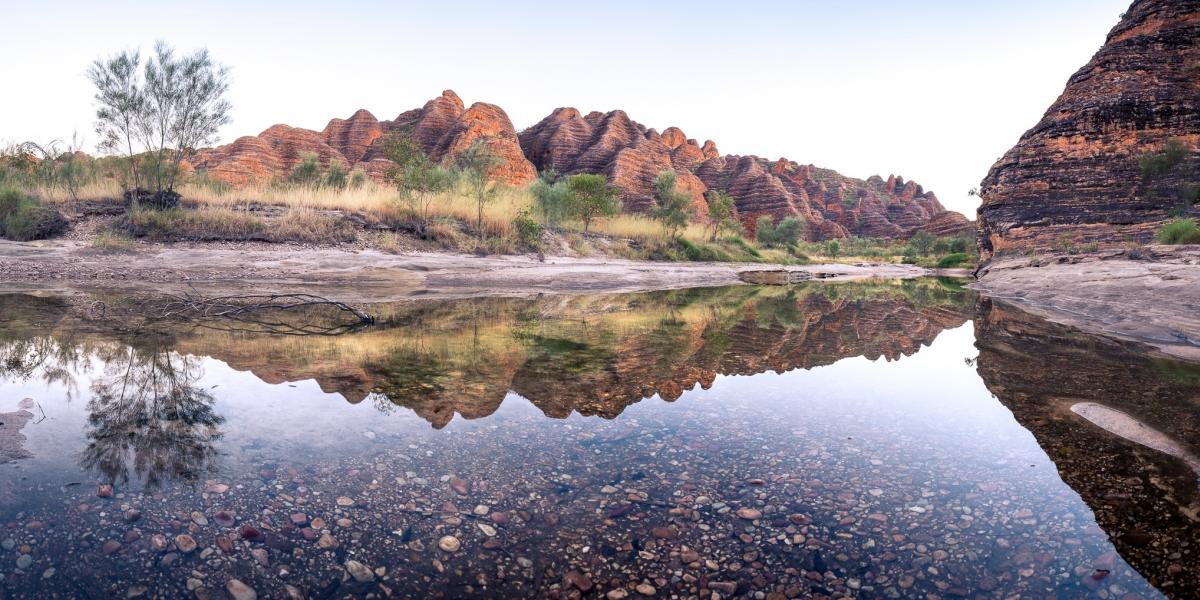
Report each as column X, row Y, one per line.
column 12, row 441
column 591, row 355
column 147, row 419
column 1147, row 501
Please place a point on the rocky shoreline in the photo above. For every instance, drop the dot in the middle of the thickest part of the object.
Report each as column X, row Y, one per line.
column 1153, row 298
column 371, row 275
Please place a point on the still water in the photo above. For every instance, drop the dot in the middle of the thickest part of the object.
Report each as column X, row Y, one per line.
column 874, row 440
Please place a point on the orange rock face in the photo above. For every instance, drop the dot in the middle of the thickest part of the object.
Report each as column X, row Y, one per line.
column 630, row 154
column 832, row 205
column 1075, row 178
column 443, row 128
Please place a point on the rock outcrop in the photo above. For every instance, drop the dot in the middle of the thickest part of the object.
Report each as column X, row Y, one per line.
column 444, row 127
column 628, row 153
column 832, row 205
column 1077, row 177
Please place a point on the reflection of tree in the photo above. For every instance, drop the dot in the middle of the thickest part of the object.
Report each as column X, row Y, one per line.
column 148, row 420
column 43, row 356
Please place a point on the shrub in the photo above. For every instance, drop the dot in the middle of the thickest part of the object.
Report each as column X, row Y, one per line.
column 952, row 260
column 551, row 197
column 672, row 206
column 921, row 243
column 24, row 218
column 529, row 231
column 1179, row 231
column 832, row 248
column 1156, row 163
column 307, row 172
column 786, row 233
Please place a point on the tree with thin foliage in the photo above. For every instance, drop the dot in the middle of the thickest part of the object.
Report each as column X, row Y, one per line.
column 476, row 165
column 672, row 206
column 722, row 214
column 417, row 178
column 592, row 197
column 120, row 104
column 174, row 106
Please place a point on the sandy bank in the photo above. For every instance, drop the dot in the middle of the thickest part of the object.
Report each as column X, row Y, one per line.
column 360, row 275
column 1155, row 299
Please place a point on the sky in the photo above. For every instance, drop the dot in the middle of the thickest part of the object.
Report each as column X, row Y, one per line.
column 934, row 91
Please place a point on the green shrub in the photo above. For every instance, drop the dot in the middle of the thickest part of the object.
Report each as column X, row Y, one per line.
column 529, row 231
column 952, row 260
column 24, row 218
column 786, row 233
column 1157, row 163
column 1179, row 231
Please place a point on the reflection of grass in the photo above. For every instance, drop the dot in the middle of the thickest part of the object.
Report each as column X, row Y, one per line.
column 568, row 356
column 409, row 373
column 1184, row 373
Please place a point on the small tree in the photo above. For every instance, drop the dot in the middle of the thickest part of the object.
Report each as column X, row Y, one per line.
column 120, row 105
column 833, row 248
column 786, row 233
column 673, row 207
column 174, row 107
column 551, row 197
column 475, row 166
column 921, row 242
column 721, row 212
column 592, row 197
column 417, row 178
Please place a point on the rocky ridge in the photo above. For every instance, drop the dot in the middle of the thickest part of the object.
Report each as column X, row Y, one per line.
column 630, row 154
column 1077, row 178
column 443, row 127
column 833, row 205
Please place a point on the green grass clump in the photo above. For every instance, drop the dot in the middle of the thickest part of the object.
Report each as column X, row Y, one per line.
column 1157, row 163
column 952, row 260
column 24, row 218
column 1179, row 231
column 210, row 224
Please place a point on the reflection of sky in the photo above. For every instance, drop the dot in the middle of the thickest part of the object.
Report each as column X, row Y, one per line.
column 926, row 423
column 931, row 393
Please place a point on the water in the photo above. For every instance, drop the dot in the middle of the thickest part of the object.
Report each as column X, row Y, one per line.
column 886, row 439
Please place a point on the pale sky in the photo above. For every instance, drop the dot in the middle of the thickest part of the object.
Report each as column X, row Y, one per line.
column 935, row 91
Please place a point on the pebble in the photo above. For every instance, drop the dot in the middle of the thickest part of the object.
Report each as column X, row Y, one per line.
column 24, row 561
column 185, row 543
column 617, row 594
column 481, row 510
column 360, row 572
column 449, row 543
column 216, row 488
column 327, row 541
column 345, row 501
column 240, row 591
column 199, row 518
column 110, row 547
column 750, row 514
column 646, row 589
column 487, row 530
column 104, row 490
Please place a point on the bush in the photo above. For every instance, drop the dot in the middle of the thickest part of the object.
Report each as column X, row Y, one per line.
column 952, row 260
column 24, row 218
column 529, row 231
column 786, row 233
column 1157, row 163
column 1179, row 231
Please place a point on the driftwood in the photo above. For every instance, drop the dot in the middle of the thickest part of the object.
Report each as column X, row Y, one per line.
column 284, row 314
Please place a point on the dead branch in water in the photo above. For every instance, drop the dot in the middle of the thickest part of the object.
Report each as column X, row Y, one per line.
column 252, row 313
